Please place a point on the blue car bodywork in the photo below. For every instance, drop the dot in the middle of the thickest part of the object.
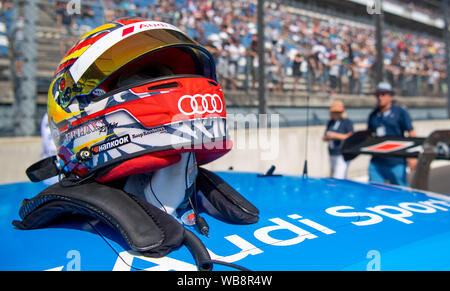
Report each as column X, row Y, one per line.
column 305, row 224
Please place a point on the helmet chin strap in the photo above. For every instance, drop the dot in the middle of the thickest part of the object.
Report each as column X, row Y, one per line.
column 168, row 187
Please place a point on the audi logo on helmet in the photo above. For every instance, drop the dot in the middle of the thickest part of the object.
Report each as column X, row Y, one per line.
column 200, row 104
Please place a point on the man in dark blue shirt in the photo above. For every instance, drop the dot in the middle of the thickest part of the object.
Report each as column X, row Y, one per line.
column 389, row 120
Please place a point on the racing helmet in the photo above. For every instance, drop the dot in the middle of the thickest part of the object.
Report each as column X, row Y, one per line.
column 130, row 97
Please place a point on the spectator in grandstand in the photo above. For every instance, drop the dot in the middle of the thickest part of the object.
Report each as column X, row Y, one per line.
column 66, row 23
column 389, row 120
column 321, row 62
column 18, row 52
column 235, row 51
column 109, row 13
column 272, row 69
column 315, row 70
column 299, row 69
column 274, row 34
column 340, row 57
column 433, row 79
column 334, row 65
column 128, row 7
column 282, row 60
column 363, row 66
column 223, row 70
column 252, row 57
column 353, row 78
column 87, row 14
column 339, row 128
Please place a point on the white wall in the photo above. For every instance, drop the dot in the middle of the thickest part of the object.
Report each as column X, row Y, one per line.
column 253, row 152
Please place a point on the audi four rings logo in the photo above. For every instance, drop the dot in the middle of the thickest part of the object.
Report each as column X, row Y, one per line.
column 200, row 104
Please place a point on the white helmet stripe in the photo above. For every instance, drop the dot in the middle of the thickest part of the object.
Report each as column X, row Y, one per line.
column 80, row 66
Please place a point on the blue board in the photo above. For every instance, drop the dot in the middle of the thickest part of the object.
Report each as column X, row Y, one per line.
column 305, row 224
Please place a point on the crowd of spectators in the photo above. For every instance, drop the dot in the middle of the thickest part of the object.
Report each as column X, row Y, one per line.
column 316, row 52
column 322, row 53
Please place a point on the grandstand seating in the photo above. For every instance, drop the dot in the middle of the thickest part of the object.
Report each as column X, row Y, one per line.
column 50, row 37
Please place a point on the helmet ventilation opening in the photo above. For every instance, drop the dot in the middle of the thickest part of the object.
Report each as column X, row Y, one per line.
column 165, row 62
column 150, row 71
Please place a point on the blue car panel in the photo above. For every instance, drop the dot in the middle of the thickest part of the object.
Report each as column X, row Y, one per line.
column 305, row 224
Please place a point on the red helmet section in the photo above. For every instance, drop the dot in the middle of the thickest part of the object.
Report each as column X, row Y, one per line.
column 182, row 98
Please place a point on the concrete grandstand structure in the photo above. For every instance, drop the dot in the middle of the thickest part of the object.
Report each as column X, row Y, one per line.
column 414, row 47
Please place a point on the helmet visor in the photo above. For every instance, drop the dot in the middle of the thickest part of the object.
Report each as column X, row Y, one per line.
column 135, row 47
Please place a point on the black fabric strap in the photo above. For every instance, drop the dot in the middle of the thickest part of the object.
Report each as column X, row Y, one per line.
column 232, row 206
column 43, row 169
